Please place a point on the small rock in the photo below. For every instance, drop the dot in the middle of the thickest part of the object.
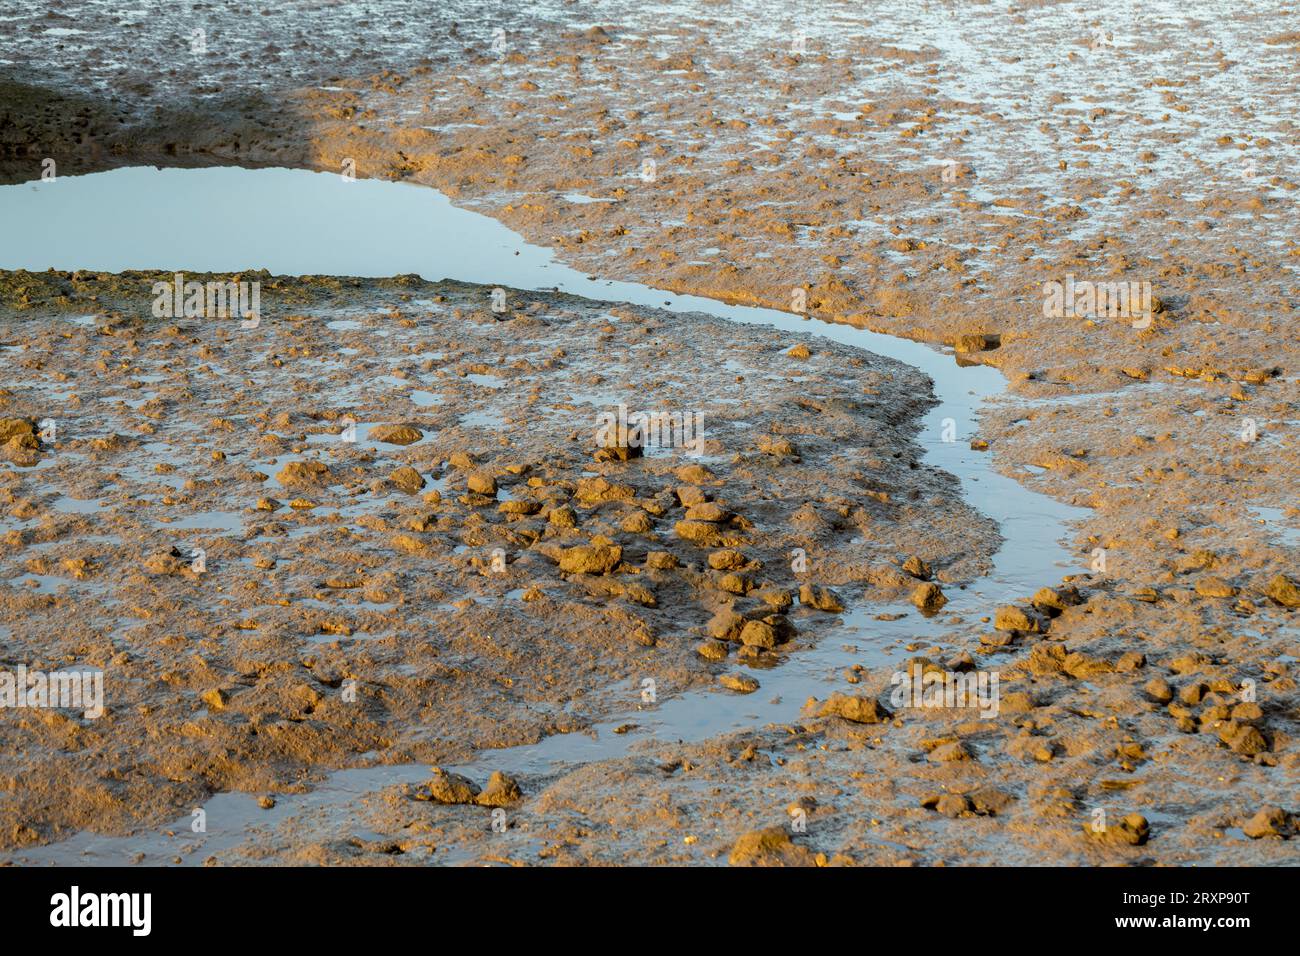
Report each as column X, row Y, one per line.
column 1247, row 712
column 858, row 710
column 1212, row 587
column 1131, row 661
column 216, row 699
column 501, row 791
column 1133, row 830
column 778, row 447
column 395, row 434
column 639, row 594
column 990, row 801
column 695, row 475
column 740, row 683
column 734, row 583
column 758, row 634
column 917, row 568
column 951, row 752
column 19, row 428
column 704, row 533
column 407, row 479
column 623, row 444
column 1269, row 821
column 728, row 559
column 1158, row 689
column 1056, row 599
column 304, row 473
column 1284, row 591
column 707, row 511
column 481, row 484
column 714, row 651
column 590, row 559
column 823, row 599
column 769, row 847
column 776, row 598
column 949, row 804
column 725, row 624
column 1012, row 618
column 689, row 495
column 562, row 517
column 637, row 523
column 1243, row 739
column 446, row 787
column 928, row 597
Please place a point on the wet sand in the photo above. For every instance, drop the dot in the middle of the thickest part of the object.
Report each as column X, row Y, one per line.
column 423, row 562
column 906, row 177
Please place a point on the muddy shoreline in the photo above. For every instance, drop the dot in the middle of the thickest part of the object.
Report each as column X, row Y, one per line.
column 869, row 174
column 251, row 654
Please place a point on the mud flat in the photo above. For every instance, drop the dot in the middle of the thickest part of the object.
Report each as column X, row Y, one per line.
column 345, row 580
column 465, row 565
column 904, row 178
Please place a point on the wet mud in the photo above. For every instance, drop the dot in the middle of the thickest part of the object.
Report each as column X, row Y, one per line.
column 892, row 172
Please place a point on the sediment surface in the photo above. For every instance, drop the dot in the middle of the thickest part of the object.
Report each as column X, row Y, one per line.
column 921, row 170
